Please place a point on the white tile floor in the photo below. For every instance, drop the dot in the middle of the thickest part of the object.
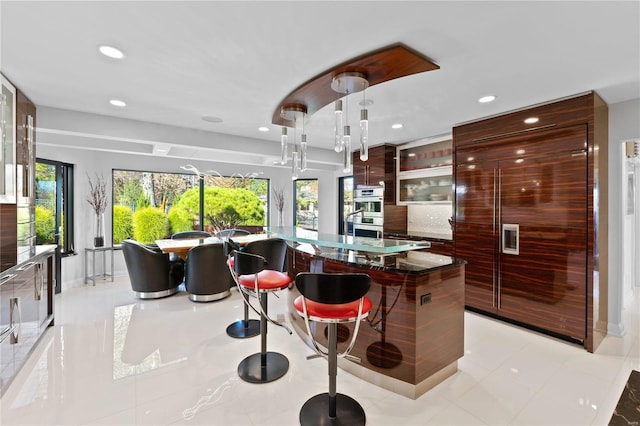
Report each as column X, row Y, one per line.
column 113, row 359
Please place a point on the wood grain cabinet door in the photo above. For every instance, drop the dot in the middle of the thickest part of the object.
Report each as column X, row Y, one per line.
column 544, row 283
column 475, row 230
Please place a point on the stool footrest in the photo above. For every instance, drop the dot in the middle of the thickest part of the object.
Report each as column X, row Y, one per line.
column 263, row 367
column 316, row 411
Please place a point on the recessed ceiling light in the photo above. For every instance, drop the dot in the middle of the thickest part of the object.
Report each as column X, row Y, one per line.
column 485, row 99
column 111, row 51
column 531, row 120
column 397, row 126
column 366, row 102
column 263, row 129
column 212, row 119
column 118, row 103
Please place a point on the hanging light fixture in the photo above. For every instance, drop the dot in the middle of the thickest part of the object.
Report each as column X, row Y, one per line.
column 364, row 130
column 294, row 113
column 338, row 127
column 303, row 151
column 334, row 86
column 284, row 141
column 352, row 82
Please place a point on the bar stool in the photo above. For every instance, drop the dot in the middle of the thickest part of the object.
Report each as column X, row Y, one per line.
column 332, row 299
column 253, row 279
column 274, row 251
column 244, row 328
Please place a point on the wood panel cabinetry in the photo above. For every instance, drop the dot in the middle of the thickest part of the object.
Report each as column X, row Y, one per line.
column 379, row 169
column 526, row 220
column 441, row 247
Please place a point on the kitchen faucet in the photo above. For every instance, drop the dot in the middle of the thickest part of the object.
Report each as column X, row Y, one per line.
column 345, row 227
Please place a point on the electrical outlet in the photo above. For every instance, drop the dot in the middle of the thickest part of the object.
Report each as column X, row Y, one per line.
column 425, row 298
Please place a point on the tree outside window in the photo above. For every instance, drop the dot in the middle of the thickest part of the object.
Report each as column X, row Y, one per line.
column 150, row 206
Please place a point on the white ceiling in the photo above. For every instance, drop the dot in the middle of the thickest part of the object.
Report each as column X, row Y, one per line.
column 237, row 60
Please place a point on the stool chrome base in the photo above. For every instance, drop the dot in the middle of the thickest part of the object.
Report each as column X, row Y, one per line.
column 243, row 329
column 316, row 411
column 255, row 369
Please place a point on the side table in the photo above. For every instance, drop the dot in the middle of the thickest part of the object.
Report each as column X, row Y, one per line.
column 91, row 252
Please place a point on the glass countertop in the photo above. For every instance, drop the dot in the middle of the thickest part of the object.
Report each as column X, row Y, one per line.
column 363, row 244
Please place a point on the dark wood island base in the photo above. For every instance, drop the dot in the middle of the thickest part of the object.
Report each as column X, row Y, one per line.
column 415, row 332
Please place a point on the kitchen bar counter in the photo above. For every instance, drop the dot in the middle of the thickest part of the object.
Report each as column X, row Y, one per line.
column 415, row 332
column 346, row 242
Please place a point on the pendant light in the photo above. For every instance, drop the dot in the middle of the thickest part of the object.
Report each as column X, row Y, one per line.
column 333, row 86
column 284, row 141
column 338, row 127
column 364, row 130
column 294, row 113
column 351, row 82
column 303, row 149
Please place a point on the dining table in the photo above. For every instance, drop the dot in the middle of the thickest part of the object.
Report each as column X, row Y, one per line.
column 181, row 247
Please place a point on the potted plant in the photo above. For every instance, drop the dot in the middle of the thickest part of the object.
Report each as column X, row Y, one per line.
column 98, row 200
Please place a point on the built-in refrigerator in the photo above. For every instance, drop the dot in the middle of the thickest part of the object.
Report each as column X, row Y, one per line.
column 521, row 225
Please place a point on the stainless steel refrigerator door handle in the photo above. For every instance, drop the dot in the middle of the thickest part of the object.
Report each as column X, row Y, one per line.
column 494, row 226
column 498, row 268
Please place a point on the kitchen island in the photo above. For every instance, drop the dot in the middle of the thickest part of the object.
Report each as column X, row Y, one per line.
column 414, row 334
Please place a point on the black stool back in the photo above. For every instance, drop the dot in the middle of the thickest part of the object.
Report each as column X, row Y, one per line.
column 332, row 289
column 248, row 263
column 274, row 251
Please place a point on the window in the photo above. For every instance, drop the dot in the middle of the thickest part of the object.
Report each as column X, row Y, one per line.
column 148, row 205
column 345, row 203
column 305, row 194
column 54, row 204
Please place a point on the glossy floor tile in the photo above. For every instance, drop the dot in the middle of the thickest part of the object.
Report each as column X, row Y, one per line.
column 111, row 359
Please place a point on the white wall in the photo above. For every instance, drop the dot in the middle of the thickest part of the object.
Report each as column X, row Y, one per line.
column 624, row 124
column 88, row 161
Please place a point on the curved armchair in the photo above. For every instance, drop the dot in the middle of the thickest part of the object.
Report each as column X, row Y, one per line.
column 188, row 235
column 152, row 274
column 206, row 276
column 230, row 233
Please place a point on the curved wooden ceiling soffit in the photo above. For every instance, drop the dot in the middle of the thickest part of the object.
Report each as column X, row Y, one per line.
column 379, row 66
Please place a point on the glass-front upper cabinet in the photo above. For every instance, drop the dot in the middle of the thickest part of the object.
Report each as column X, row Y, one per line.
column 425, row 171
column 7, row 142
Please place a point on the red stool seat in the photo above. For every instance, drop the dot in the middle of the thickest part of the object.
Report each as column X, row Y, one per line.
column 339, row 312
column 267, row 280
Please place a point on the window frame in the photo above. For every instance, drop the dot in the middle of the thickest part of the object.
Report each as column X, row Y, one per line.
column 65, row 211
